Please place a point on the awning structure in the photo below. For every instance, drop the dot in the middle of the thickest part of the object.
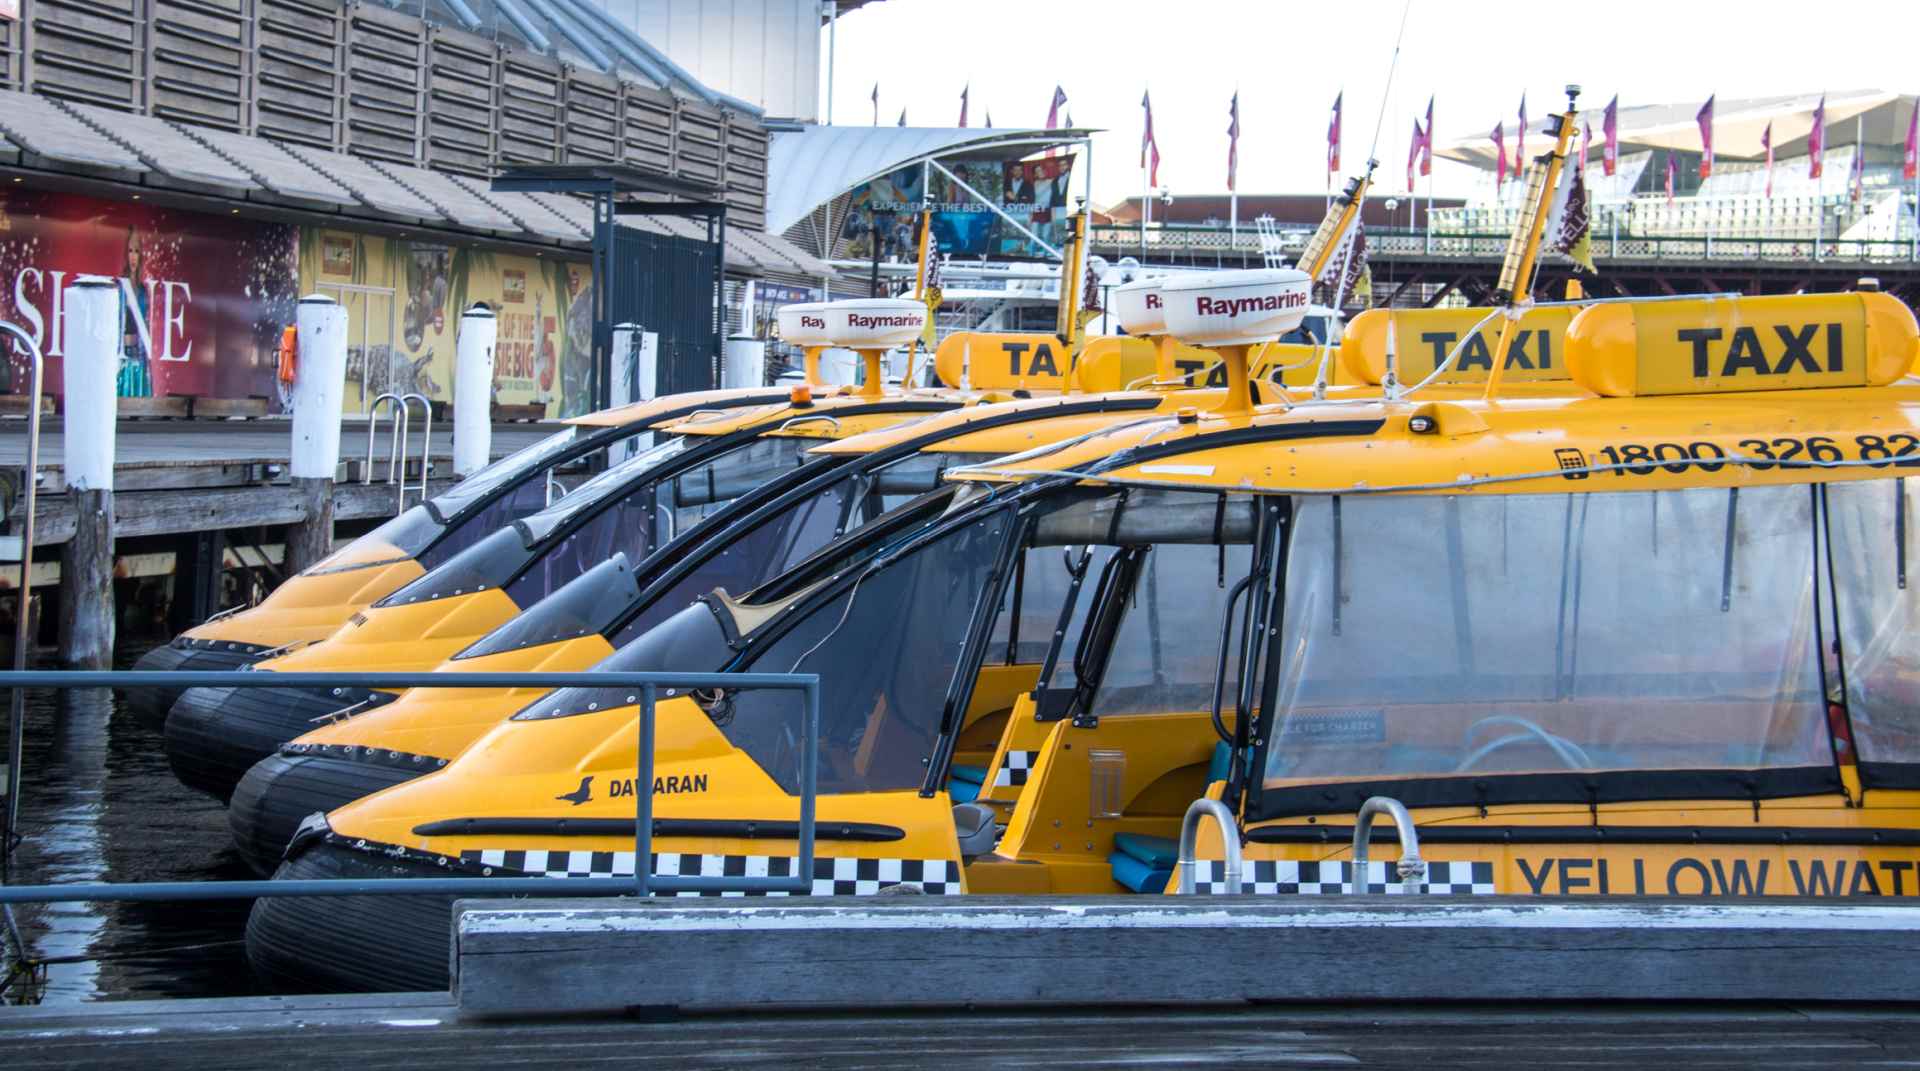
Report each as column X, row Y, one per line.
column 809, row 168
column 41, row 134
column 1737, row 126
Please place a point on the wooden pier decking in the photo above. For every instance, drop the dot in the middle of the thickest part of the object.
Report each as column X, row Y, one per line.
column 422, row 1030
column 234, row 473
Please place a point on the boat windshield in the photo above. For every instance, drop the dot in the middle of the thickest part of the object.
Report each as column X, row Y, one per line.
column 449, row 504
column 543, row 523
column 886, row 647
column 784, row 538
column 411, row 532
column 1164, row 654
column 584, row 605
column 1536, row 648
column 648, row 513
column 513, row 488
column 1878, row 607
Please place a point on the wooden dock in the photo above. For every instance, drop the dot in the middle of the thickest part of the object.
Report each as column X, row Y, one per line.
column 423, row 1030
column 235, row 473
column 192, row 500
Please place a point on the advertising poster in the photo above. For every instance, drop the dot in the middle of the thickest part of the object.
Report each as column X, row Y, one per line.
column 404, row 299
column 203, row 298
column 1034, row 192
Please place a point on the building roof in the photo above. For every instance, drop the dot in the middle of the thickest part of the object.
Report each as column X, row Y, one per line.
column 809, row 167
column 579, row 31
column 1737, row 126
column 61, row 138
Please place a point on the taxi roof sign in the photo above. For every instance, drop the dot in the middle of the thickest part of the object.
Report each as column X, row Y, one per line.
column 1423, row 338
column 1736, row 344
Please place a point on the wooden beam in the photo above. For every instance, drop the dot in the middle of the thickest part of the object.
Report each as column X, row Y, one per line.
column 566, row 957
column 150, row 513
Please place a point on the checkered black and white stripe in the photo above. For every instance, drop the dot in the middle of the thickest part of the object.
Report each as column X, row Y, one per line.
column 1014, row 771
column 838, row 876
column 1278, row 876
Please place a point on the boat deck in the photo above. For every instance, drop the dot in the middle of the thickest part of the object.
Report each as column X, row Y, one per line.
column 423, row 1031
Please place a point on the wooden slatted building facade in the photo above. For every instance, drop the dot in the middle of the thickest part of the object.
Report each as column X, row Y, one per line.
column 369, row 81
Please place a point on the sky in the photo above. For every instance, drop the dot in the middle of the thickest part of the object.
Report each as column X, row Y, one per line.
column 1288, row 60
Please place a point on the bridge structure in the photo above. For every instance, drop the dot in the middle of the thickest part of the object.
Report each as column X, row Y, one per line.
column 1421, row 268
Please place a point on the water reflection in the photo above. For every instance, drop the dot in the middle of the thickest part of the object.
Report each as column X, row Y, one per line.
column 100, row 804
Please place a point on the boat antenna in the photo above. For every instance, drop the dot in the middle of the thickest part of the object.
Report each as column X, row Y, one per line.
column 1514, row 291
column 1330, row 238
column 1393, row 64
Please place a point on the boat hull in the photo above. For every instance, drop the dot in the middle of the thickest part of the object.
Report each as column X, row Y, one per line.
column 280, row 791
column 149, row 705
column 214, row 735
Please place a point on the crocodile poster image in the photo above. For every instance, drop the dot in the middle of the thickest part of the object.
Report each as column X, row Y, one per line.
column 203, row 298
column 404, row 299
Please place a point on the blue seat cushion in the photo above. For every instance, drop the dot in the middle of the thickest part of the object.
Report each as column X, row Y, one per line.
column 1138, row 876
column 1218, row 767
column 962, row 791
column 1158, row 853
column 976, row 775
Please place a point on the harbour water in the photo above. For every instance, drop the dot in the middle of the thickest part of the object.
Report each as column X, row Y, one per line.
column 100, row 804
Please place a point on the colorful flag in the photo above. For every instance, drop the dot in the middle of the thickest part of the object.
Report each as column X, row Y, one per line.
column 1673, row 168
column 1520, row 146
column 876, row 104
column 1347, row 279
column 1910, row 169
column 1233, row 140
column 1426, row 142
column 1766, row 142
column 1499, row 154
column 1704, row 118
column 1149, row 148
column 930, row 282
column 1610, row 130
column 1413, row 155
column 1858, row 180
column 963, row 103
column 1053, row 110
column 1569, row 226
column 1586, row 145
column 1817, row 141
column 1333, row 135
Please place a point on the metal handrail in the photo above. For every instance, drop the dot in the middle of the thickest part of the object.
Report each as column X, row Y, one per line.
column 645, row 688
column 1412, row 869
column 30, row 480
column 809, row 418
column 1229, row 836
column 426, row 446
column 397, row 443
column 396, row 439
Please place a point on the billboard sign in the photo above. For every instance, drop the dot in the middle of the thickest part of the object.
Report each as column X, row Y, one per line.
column 203, row 298
column 1033, row 192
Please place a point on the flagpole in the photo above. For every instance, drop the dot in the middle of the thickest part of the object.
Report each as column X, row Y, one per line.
column 1429, row 203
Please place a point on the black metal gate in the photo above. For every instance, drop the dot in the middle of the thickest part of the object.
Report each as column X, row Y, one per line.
column 666, row 284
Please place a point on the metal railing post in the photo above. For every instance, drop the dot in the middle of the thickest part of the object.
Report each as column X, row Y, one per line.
column 643, row 799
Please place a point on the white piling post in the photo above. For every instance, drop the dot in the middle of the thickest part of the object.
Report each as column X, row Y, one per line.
column 91, row 373
column 473, row 391
column 743, row 363
column 319, row 390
